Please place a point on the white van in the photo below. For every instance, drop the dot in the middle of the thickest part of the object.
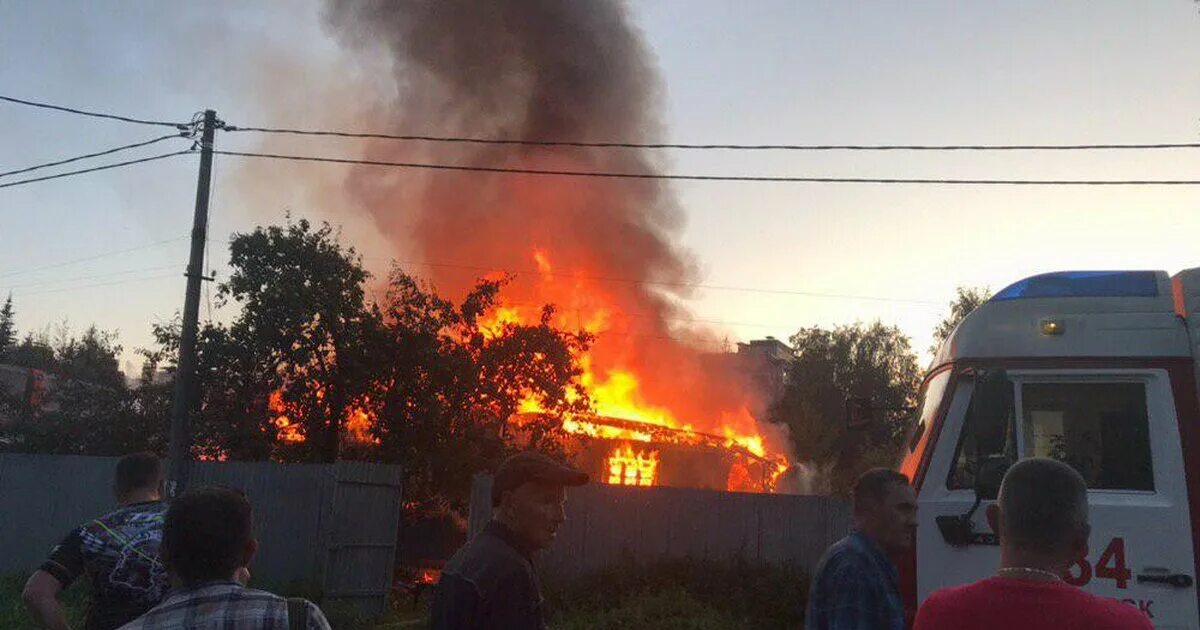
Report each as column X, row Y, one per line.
column 1097, row 369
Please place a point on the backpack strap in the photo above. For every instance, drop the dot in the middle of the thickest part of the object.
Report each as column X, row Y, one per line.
column 297, row 608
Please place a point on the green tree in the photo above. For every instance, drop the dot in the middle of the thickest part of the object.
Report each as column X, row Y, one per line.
column 85, row 407
column 966, row 300
column 453, row 387
column 301, row 338
column 435, row 386
column 874, row 362
column 233, row 420
column 33, row 352
column 8, row 328
column 80, row 418
column 303, row 314
column 90, row 358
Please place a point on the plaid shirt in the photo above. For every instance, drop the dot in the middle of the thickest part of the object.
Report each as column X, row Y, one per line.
column 223, row 606
column 855, row 589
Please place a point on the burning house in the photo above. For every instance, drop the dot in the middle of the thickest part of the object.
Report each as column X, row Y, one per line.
column 630, row 453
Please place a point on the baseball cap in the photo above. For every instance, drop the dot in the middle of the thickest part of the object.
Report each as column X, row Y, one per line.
column 533, row 466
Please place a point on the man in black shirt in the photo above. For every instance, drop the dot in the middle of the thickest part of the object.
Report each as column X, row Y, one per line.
column 490, row 582
column 118, row 552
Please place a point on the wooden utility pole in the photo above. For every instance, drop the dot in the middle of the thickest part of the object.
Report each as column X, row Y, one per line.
column 186, row 389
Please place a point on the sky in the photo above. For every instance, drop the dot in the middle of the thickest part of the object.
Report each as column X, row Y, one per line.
column 766, row 71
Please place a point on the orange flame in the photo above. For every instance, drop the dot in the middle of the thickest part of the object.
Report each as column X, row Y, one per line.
column 627, row 467
column 428, row 576
column 616, row 390
column 357, row 422
column 285, row 429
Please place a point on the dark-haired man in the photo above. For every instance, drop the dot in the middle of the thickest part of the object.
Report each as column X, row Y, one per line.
column 208, row 540
column 1041, row 519
column 118, row 552
column 855, row 585
column 490, row 582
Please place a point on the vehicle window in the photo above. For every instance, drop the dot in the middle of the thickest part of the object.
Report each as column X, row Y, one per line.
column 987, row 431
column 1100, row 429
column 931, row 400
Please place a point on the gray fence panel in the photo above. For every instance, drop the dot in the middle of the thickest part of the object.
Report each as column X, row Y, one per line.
column 42, row 497
column 332, row 527
column 365, row 519
column 609, row 525
column 287, row 500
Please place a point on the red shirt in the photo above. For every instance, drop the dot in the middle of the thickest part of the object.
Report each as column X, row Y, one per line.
column 997, row 603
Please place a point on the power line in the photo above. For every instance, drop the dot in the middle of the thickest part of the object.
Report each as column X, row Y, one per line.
column 101, row 284
column 107, row 274
column 81, row 112
column 97, row 154
column 724, row 147
column 94, row 257
column 690, row 285
column 626, row 145
column 102, row 167
column 722, row 178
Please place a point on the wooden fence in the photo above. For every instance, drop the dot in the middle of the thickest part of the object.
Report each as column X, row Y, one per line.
column 328, row 526
column 607, row 525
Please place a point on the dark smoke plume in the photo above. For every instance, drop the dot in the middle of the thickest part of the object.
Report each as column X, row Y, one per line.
column 536, row 69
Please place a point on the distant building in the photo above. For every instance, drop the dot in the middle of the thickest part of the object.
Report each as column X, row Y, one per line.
column 766, row 361
column 136, row 380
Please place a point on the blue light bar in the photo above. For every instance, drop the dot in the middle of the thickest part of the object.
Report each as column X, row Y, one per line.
column 1083, row 284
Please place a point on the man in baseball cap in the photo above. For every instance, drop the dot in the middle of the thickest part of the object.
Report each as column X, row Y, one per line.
column 490, row 581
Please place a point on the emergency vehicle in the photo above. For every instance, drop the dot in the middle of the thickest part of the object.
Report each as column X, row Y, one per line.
column 1096, row 369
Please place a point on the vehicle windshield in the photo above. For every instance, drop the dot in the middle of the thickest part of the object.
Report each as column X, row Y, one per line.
column 931, row 400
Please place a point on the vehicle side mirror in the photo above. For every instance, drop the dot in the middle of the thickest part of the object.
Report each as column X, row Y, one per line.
column 959, row 531
column 991, row 474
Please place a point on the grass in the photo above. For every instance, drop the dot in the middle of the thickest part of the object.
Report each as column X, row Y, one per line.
column 13, row 615
column 671, row 608
column 670, row 596
column 682, row 594
column 12, row 610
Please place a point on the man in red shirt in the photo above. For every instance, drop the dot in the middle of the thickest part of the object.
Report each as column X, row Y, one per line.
column 1041, row 519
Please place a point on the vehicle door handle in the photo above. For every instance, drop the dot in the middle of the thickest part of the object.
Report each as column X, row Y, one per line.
column 1178, row 580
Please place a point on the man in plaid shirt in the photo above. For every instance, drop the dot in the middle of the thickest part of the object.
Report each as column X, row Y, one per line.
column 855, row 586
column 207, row 542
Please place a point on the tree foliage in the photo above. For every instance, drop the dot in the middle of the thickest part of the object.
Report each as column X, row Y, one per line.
column 455, row 385
column 966, row 300
column 305, row 323
column 436, row 386
column 84, row 406
column 8, row 327
column 874, row 362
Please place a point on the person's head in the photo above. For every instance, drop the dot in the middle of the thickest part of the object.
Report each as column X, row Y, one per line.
column 885, row 508
column 139, row 477
column 207, row 535
column 528, row 495
column 1042, row 512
